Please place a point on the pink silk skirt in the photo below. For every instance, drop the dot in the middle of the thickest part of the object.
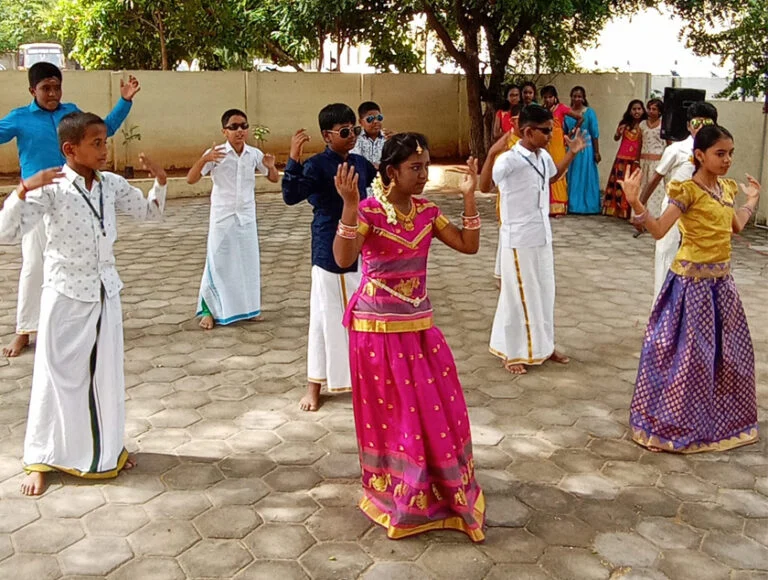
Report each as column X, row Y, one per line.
column 413, row 435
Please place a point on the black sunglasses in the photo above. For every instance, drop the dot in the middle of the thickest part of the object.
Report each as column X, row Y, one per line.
column 372, row 118
column 236, row 126
column 345, row 132
column 545, row 130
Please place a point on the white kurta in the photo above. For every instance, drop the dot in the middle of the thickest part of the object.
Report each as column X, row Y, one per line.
column 231, row 283
column 675, row 165
column 328, row 342
column 523, row 326
column 76, row 410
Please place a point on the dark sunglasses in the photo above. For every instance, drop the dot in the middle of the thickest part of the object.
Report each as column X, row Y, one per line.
column 345, row 132
column 236, row 126
column 372, row 118
column 545, row 130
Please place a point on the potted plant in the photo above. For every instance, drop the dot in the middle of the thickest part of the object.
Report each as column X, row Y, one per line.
column 260, row 133
column 129, row 134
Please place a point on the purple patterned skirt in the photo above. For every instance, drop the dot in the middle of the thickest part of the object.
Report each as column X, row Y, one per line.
column 695, row 388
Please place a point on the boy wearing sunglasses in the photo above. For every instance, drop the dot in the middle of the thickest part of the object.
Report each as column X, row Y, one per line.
column 676, row 165
column 523, row 328
column 231, row 288
column 313, row 180
column 371, row 140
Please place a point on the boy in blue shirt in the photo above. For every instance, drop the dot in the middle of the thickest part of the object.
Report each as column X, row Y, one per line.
column 34, row 128
column 328, row 344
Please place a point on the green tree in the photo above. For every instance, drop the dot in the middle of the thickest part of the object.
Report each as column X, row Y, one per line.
column 736, row 31
column 22, row 21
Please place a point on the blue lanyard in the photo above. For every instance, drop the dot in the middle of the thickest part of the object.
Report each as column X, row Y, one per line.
column 100, row 214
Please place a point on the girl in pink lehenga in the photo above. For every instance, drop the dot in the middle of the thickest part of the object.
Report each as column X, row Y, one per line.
column 411, row 419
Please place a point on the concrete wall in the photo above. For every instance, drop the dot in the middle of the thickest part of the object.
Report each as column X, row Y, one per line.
column 177, row 113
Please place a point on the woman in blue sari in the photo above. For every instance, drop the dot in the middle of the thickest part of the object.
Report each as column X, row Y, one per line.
column 583, row 178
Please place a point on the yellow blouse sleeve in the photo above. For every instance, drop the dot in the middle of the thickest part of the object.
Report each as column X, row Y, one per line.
column 681, row 194
column 363, row 227
column 441, row 221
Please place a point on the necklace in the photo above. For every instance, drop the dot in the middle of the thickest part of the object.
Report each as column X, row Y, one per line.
column 716, row 191
column 406, row 219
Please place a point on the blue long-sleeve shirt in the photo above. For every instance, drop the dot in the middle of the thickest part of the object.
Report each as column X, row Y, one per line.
column 34, row 129
column 314, row 181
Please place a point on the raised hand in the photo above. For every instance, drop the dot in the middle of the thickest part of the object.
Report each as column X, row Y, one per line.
column 469, row 185
column 298, row 141
column 41, row 179
column 155, row 169
column 630, row 185
column 269, row 161
column 387, row 133
column 129, row 89
column 577, row 143
column 500, row 145
column 346, row 184
column 751, row 189
column 215, row 154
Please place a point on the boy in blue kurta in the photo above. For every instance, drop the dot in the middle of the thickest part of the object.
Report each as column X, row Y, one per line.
column 34, row 128
column 328, row 344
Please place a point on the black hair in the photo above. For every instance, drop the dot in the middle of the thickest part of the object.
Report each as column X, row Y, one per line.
column 335, row 114
column 367, row 106
column 229, row 113
column 534, row 114
column 659, row 105
column 628, row 119
column 702, row 109
column 583, row 92
column 41, row 71
column 397, row 149
column 706, row 137
column 73, row 126
column 549, row 91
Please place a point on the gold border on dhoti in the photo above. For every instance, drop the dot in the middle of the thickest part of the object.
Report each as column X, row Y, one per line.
column 45, row 468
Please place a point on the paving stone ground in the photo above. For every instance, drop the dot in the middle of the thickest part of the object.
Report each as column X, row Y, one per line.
column 233, row 481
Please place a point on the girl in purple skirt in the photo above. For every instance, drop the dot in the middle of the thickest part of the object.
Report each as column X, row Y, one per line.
column 695, row 388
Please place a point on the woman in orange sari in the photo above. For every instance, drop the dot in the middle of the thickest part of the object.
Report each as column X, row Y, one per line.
column 558, row 191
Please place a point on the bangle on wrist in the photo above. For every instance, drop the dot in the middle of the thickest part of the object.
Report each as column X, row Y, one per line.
column 346, row 232
column 471, row 222
column 640, row 217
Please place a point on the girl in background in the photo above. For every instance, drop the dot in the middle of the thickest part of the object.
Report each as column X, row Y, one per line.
column 627, row 159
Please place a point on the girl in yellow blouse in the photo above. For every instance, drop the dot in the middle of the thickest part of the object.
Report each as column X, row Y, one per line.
column 695, row 388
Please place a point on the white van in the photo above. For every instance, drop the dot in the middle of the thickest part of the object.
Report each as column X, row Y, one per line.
column 29, row 54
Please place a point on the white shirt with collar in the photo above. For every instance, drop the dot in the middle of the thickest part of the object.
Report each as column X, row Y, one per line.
column 369, row 148
column 523, row 180
column 676, row 163
column 78, row 256
column 234, row 183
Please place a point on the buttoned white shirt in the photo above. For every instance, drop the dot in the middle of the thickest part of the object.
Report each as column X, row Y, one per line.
column 523, row 180
column 234, row 183
column 369, row 148
column 676, row 163
column 78, row 253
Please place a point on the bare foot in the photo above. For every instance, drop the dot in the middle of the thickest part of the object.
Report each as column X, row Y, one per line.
column 18, row 344
column 516, row 369
column 130, row 463
column 559, row 357
column 257, row 318
column 206, row 322
column 33, row 483
column 498, row 283
column 311, row 401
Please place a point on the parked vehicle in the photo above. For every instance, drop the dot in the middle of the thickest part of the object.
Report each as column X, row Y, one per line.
column 30, row 54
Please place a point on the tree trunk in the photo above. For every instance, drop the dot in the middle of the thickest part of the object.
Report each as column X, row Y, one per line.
column 321, row 55
column 163, row 47
column 475, row 108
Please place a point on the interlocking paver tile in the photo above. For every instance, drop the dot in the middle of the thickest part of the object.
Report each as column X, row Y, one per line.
column 215, row 419
column 94, row 556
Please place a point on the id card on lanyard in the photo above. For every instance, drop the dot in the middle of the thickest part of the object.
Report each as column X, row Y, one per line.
column 542, row 175
column 105, row 246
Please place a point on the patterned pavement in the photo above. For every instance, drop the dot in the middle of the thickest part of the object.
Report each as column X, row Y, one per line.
column 234, row 481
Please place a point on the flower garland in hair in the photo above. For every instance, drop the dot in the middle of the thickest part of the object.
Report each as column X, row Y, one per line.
column 381, row 193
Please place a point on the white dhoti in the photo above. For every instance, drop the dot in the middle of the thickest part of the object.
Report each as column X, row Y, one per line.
column 497, row 266
column 523, row 327
column 77, row 405
column 666, row 250
column 30, row 280
column 328, row 343
column 231, row 284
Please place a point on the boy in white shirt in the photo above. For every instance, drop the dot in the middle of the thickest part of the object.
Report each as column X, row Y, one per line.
column 370, row 143
column 231, row 286
column 523, row 328
column 76, row 410
column 676, row 165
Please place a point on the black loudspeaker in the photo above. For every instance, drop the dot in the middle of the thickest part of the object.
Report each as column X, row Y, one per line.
column 676, row 103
